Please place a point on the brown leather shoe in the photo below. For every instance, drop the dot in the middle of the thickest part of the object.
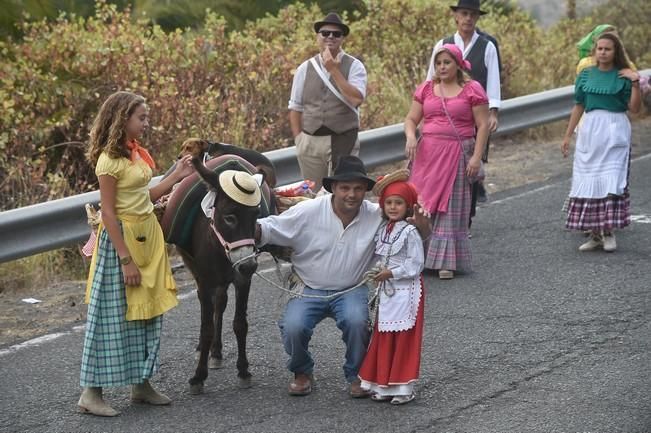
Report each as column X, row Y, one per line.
column 356, row 390
column 301, row 384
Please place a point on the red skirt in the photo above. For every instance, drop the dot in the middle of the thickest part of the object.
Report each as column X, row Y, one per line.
column 393, row 358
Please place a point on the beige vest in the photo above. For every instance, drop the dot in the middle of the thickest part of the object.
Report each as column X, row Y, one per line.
column 321, row 107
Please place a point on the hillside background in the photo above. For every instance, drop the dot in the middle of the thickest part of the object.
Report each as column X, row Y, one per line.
column 548, row 12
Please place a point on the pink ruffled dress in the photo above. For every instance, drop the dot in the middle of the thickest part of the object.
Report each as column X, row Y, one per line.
column 434, row 169
column 439, row 173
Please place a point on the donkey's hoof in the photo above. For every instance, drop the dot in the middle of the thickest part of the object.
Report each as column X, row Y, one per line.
column 214, row 363
column 196, row 389
column 245, row 382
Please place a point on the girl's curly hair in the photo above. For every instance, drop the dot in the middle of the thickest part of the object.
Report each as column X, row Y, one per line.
column 109, row 128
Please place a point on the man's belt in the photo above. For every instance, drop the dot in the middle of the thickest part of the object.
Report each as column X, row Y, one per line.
column 322, row 131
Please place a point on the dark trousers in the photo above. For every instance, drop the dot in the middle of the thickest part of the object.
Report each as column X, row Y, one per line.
column 473, row 201
column 476, row 186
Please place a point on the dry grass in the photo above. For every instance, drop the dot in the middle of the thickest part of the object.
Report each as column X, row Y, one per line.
column 41, row 270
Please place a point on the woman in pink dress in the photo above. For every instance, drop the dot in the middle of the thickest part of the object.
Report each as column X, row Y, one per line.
column 447, row 157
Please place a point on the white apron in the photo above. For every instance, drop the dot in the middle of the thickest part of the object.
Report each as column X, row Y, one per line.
column 398, row 311
column 601, row 157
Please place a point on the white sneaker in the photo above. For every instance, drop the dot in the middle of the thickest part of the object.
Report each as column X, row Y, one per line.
column 610, row 244
column 403, row 399
column 444, row 274
column 593, row 243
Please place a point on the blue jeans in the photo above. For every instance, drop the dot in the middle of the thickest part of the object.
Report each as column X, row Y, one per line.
column 301, row 316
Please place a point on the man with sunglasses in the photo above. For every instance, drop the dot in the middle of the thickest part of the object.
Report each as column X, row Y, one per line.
column 323, row 107
column 480, row 49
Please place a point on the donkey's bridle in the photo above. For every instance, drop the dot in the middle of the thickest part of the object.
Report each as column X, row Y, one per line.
column 229, row 246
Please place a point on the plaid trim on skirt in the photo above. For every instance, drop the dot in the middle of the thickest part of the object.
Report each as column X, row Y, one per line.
column 599, row 214
column 448, row 246
column 116, row 351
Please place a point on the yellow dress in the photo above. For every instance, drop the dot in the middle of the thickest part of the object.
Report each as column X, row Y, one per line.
column 144, row 238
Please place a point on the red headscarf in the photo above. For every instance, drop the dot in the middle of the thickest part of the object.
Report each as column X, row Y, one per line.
column 406, row 190
column 137, row 151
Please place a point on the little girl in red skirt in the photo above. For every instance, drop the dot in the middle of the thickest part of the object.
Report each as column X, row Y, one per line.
column 392, row 363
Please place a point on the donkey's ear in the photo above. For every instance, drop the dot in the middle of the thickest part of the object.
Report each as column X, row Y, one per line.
column 268, row 175
column 210, row 178
column 259, row 177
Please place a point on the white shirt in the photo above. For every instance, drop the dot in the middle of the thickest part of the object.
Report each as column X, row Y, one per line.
column 490, row 60
column 326, row 255
column 356, row 77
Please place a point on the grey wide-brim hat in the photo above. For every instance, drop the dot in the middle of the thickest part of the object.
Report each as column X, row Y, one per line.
column 332, row 18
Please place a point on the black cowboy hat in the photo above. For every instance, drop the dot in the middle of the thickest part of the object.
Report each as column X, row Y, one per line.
column 473, row 5
column 348, row 168
column 332, row 18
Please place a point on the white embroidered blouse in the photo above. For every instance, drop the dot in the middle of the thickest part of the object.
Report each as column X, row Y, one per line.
column 401, row 251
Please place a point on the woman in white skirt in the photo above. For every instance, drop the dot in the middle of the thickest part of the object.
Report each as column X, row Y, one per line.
column 599, row 198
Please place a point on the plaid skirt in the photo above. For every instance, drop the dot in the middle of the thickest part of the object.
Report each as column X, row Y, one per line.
column 599, row 214
column 448, row 246
column 116, row 351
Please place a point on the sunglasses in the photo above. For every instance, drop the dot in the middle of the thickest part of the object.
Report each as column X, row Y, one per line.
column 335, row 33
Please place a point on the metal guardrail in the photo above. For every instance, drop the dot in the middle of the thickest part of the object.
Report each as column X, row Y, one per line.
column 58, row 223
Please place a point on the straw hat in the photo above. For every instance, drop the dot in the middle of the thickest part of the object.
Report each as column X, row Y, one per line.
column 241, row 187
column 398, row 175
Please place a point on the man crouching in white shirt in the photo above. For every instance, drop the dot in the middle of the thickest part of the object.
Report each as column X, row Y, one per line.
column 332, row 237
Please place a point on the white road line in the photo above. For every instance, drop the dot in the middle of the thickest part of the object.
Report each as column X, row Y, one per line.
column 542, row 188
column 533, row 191
column 33, row 342
column 643, row 219
column 187, row 295
column 193, row 292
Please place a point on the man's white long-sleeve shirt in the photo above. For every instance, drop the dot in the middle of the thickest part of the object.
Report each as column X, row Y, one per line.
column 492, row 67
column 326, row 255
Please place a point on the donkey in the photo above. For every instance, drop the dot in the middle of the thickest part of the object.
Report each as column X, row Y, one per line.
column 222, row 251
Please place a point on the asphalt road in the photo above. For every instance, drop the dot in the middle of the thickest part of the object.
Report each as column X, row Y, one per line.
column 540, row 338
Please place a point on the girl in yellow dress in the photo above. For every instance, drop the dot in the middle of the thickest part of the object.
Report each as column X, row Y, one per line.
column 130, row 284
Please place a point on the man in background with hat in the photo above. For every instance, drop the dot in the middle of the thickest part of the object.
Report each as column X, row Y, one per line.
column 332, row 237
column 480, row 50
column 323, row 107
